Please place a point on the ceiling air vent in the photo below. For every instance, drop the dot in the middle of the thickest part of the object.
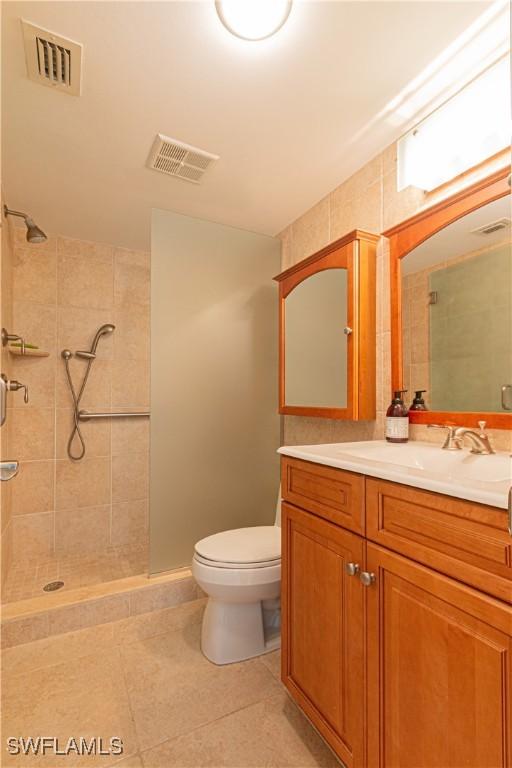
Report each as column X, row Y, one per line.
column 52, row 60
column 494, row 226
column 178, row 159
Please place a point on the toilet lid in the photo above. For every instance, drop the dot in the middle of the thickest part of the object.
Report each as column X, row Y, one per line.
column 242, row 545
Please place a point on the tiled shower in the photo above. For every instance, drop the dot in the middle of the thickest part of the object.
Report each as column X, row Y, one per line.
column 80, row 522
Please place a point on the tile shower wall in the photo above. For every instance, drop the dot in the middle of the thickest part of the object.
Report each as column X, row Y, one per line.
column 62, row 291
column 5, row 367
column 368, row 200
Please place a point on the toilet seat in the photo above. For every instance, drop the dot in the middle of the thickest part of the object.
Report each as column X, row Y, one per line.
column 233, row 566
column 257, row 547
column 239, row 580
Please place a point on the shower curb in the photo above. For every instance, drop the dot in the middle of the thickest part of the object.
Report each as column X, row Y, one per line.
column 60, row 612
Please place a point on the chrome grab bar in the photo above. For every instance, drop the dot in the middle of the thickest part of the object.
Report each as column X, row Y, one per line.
column 85, row 415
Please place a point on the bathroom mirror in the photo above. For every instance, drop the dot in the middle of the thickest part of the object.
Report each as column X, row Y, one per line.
column 327, row 305
column 315, row 342
column 451, row 299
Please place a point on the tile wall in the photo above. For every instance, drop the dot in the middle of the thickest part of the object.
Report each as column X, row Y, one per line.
column 368, row 200
column 5, row 367
column 62, row 291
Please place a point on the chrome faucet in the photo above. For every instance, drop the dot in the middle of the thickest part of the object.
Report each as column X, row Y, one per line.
column 479, row 440
column 455, row 438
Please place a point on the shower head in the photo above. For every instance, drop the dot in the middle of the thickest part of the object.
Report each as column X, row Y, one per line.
column 34, row 233
column 104, row 330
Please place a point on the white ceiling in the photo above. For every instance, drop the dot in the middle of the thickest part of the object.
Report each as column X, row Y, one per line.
column 280, row 113
column 459, row 238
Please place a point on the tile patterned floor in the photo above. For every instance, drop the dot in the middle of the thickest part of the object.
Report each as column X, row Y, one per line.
column 75, row 571
column 146, row 681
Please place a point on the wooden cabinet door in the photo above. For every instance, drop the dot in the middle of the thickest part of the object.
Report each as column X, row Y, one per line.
column 320, row 372
column 439, row 670
column 323, row 629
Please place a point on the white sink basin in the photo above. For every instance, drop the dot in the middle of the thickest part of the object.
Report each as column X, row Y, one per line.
column 429, row 458
column 485, row 479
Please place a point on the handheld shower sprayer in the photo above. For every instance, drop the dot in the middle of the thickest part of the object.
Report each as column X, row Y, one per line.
column 90, row 356
column 91, row 353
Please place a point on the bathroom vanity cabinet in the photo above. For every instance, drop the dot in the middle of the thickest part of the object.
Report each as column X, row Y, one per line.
column 397, row 620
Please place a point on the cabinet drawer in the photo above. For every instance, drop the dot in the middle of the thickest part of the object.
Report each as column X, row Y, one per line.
column 465, row 540
column 334, row 494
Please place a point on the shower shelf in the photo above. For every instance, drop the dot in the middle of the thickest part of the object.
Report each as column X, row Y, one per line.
column 28, row 352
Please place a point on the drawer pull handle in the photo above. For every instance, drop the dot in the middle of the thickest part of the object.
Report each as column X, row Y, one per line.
column 352, row 569
column 366, row 578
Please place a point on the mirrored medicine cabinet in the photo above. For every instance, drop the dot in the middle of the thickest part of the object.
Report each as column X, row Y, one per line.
column 328, row 331
column 451, row 300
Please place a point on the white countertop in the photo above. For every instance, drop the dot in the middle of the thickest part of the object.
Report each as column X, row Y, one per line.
column 484, row 479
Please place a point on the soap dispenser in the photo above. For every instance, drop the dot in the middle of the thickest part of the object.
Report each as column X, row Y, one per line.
column 418, row 404
column 397, row 419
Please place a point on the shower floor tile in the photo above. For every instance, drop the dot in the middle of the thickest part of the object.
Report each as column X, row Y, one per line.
column 27, row 580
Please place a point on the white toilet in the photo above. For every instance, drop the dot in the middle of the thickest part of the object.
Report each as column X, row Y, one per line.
column 240, row 571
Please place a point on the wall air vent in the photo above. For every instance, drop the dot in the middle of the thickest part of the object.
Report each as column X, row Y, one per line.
column 52, row 60
column 494, row 226
column 178, row 159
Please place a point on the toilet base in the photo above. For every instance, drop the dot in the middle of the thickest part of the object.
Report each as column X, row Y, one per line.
column 234, row 632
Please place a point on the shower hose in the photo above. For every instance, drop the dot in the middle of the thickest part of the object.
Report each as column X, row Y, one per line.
column 76, row 412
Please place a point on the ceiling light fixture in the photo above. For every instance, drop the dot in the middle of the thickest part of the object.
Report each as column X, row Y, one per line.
column 253, row 19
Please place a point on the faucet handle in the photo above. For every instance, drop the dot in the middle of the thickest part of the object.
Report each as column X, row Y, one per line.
column 450, row 427
column 14, row 386
column 452, row 442
column 482, row 425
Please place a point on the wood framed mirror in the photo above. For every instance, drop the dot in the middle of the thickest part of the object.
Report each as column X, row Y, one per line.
column 327, row 328
column 451, row 306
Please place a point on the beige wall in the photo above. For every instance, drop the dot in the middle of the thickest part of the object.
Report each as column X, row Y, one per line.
column 63, row 290
column 368, row 200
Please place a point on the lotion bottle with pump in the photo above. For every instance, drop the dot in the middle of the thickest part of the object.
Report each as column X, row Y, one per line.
column 418, row 404
column 397, row 419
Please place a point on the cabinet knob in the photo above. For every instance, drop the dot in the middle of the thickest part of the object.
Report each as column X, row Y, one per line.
column 347, row 330
column 352, row 569
column 366, row 578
